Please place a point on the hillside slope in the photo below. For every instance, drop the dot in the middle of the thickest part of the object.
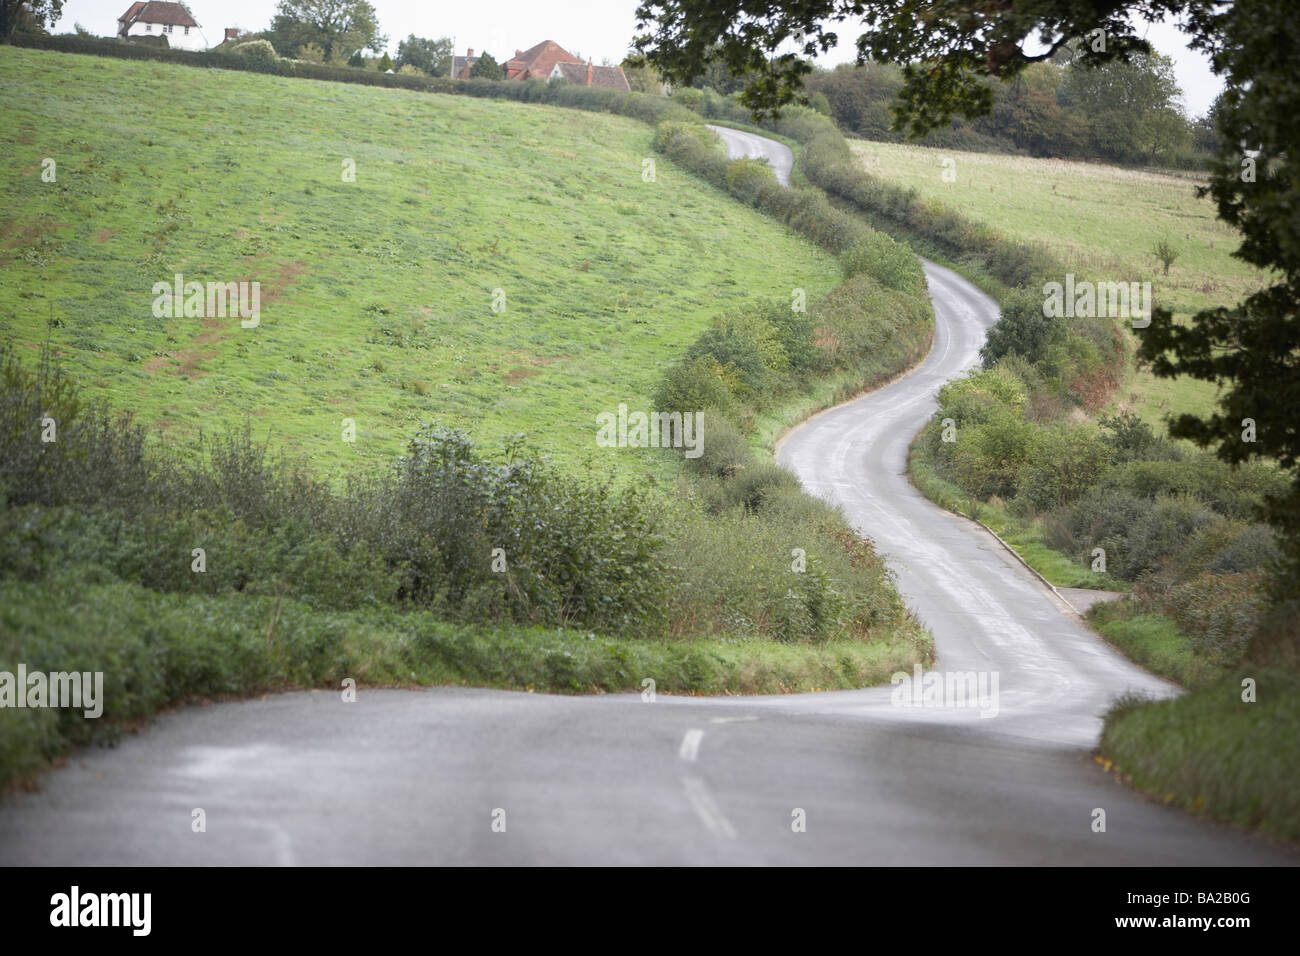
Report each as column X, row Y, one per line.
column 376, row 294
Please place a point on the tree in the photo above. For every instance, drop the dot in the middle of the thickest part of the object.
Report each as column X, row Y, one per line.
column 349, row 24
column 1131, row 108
column 1022, row 329
column 385, row 63
column 948, row 50
column 428, row 56
column 34, row 15
column 1166, row 252
column 640, row 76
column 486, row 68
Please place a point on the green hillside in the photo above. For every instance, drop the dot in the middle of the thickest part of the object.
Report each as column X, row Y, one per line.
column 377, row 294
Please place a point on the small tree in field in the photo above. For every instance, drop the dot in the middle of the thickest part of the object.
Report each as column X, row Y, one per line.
column 1164, row 251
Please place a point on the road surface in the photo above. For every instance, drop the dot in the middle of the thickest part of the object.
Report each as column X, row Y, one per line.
column 742, row 145
column 453, row 775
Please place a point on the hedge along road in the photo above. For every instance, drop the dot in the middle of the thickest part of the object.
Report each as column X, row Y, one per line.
column 455, row 775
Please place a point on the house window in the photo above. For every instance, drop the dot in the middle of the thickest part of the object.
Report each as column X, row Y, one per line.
column 187, row 31
column 167, row 28
column 148, row 28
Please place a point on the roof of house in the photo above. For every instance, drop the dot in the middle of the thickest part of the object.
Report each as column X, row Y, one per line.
column 538, row 61
column 157, row 12
column 460, row 66
column 609, row 77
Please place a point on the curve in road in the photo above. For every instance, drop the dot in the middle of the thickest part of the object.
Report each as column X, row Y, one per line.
column 742, row 145
column 453, row 775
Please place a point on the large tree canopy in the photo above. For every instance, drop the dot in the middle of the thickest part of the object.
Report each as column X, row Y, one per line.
column 949, row 48
column 431, row 56
column 944, row 45
column 339, row 27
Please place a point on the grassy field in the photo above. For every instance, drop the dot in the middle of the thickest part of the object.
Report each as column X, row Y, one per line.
column 1102, row 222
column 377, row 294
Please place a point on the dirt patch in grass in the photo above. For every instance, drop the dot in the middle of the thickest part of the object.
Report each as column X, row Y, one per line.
column 187, row 359
column 14, row 236
column 281, row 275
column 518, row 375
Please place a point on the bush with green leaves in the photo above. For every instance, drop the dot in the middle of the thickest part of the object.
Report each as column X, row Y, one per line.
column 893, row 264
column 1022, row 329
column 258, row 51
column 737, row 572
column 987, row 458
column 574, row 550
column 748, row 178
column 698, row 383
column 1067, row 461
column 981, row 396
column 689, row 97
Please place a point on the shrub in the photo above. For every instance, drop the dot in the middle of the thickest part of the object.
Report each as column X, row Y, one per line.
column 689, row 97
column 1022, row 329
column 577, row 549
column 1219, row 612
column 892, row 264
column 759, row 483
column 1067, row 462
column 670, row 132
column 747, row 178
column 1128, row 437
column 747, row 345
column 1160, row 531
column 258, row 51
column 697, row 383
column 987, row 458
column 725, row 451
column 981, row 396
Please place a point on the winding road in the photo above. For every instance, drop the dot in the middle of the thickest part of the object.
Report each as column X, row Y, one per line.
column 452, row 775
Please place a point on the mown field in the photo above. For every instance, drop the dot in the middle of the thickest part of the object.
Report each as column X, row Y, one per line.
column 377, row 294
column 1102, row 221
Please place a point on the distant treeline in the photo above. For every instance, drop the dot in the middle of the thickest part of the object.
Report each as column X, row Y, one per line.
column 1121, row 113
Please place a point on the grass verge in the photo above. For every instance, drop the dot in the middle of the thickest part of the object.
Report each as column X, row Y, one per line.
column 158, row 650
column 1212, row 753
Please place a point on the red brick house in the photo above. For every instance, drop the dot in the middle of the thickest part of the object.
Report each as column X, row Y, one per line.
column 545, row 61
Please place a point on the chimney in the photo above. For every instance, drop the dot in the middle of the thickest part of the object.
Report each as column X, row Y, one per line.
column 518, row 54
column 589, row 71
column 469, row 52
column 232, row 32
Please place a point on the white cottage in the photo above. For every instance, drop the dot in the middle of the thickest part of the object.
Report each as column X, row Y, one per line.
column 171, row 20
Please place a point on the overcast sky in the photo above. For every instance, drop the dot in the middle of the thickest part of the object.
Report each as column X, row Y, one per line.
column 601, row 29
